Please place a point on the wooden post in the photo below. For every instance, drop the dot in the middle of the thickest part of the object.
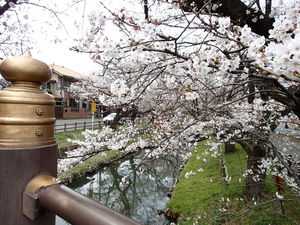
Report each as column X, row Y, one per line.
column 75, row 126
column 27, row 142
column 93, row 120
column 65, row 127
column 84, row 127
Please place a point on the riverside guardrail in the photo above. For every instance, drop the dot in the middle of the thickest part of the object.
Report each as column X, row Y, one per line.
column 30, row 193
column 65, row 127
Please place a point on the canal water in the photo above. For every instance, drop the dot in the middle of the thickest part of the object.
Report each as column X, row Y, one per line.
column 287, row 143
column 133, row 187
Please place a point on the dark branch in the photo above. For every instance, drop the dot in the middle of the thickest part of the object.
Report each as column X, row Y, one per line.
column 284, row 95
column 239, row 13
column 146, row 10
column 268, row 6
column 167, row 51
column 6, row 6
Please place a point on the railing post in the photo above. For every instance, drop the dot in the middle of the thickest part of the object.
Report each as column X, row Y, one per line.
column 65, row 128
column 27, row 143
column 75, row 126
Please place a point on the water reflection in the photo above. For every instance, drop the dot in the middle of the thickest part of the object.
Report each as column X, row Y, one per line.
column 137, row 191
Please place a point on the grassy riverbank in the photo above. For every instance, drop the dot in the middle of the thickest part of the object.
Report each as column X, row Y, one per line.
column 88, row 166
column 61, row 138
column 204, row 198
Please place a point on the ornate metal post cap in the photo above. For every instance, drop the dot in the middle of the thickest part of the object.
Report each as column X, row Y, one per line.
column 25, row 68
column 26, row 112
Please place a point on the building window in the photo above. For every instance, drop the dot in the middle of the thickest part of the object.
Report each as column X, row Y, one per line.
column 72, row 103
column 66, row 83
column 46, row 86
column 58, row 101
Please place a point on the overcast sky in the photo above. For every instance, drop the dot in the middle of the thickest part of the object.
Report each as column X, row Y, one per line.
column 53, row 42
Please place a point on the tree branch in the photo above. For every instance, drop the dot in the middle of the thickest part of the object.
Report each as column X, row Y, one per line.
column 6, row 6
column 238, row 12
column 167, row 51
column 146, row 9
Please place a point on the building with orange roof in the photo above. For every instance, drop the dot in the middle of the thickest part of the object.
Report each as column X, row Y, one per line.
column 67, row 104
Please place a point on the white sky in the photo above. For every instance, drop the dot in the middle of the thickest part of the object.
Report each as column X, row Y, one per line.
column 53, row 43
column 58, row 53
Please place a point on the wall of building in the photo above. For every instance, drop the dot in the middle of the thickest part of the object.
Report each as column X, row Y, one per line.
column 74, row 113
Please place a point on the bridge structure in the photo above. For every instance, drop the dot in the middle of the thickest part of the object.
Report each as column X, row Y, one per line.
column 30, row 193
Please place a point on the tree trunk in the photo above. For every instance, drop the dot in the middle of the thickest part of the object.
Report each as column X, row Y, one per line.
column 255, row 181
column 229, row 148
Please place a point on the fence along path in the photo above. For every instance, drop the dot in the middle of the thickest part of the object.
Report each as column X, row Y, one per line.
column 65, row 127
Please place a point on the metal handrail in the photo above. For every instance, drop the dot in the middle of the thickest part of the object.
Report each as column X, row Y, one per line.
column 75, row 208
column 79, row 210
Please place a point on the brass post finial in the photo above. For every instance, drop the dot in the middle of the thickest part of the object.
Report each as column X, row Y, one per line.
column 26, row 112
column 25, row 68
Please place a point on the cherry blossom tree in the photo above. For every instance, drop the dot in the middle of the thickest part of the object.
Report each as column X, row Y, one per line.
column 24, row 24
column 190, row 68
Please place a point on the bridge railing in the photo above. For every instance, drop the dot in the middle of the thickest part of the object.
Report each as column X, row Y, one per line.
column 45, row 191
column 30, row 193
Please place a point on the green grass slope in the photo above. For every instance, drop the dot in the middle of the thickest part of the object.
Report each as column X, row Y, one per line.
column 205, row 198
